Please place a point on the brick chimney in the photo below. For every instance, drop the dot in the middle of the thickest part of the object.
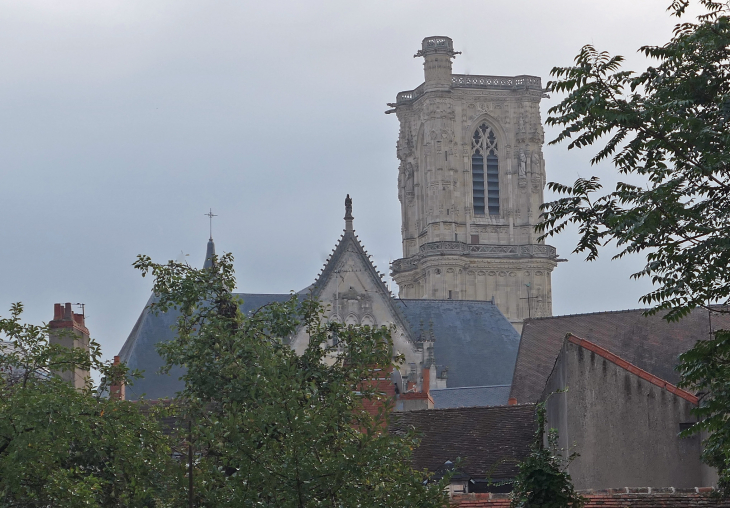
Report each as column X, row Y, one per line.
column 117, row 389
column 68, row 329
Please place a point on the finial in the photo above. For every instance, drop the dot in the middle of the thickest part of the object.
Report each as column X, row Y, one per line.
column 348, row 214
column 210, row 215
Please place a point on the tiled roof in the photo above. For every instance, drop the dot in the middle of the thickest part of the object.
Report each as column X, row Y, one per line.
column 473, row 339
column 470, row 396
column 490, row 441
column 613, row 498
column 649, row 342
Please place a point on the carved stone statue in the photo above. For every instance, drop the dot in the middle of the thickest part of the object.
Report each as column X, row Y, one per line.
column 522, row 164
column 535, row 164
column 348, row 208
column 521, row 124
column 409, row 179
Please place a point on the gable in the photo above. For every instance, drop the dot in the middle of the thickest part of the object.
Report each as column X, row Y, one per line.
column 353, row 293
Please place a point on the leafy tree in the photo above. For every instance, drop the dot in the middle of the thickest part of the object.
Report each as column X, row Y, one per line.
column 706, row 367
column 669, row 125
column 543, row 481
column 272, row 428
column 71, row 448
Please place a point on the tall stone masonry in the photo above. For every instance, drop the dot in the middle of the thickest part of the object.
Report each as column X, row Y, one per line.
column 470, row 183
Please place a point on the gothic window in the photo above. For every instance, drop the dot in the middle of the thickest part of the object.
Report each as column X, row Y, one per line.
column 485, row 171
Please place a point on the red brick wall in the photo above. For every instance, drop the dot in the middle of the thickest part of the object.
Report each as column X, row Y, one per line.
column 613, row 498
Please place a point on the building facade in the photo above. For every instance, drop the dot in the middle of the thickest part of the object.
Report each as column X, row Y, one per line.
column 471, row 179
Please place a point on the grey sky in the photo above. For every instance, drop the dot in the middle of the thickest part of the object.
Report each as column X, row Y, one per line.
column 122, row 122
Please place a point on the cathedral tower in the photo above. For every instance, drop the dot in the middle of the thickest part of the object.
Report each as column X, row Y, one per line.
column 470, row 183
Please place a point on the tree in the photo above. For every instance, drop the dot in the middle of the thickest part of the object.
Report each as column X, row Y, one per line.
column 269, row 427
column 71, row 448
column 543, row 481
column 669, row 125
column 706, row 368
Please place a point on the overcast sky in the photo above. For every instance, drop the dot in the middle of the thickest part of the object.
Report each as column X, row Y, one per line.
column 122, row 122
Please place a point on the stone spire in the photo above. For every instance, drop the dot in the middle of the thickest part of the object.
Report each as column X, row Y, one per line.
column 210, row 252
column 348, row 215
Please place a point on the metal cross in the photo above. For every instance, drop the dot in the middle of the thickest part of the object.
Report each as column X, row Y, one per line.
column 210, row 215
column 529, row 300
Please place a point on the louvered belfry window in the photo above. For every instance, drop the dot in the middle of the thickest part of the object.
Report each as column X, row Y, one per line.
column 485, row 171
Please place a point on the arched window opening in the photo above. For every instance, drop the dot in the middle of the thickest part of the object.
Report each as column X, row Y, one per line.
column 485, row 171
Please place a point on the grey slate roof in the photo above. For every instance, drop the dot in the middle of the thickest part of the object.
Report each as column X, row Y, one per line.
column 490, row 441
column 139, row 350
column 649, row 342
column 473, row 339
column 470, row 396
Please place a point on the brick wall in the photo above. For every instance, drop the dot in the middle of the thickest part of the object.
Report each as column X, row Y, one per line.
column 613, row 498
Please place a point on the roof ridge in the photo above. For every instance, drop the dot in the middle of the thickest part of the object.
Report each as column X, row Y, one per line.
column 630, row 367
column 485, row 408
column 587, row 314
column 443, row 300
column 468, row 387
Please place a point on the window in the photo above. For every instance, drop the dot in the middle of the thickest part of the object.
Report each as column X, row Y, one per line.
column 485, row 180
column 474, row 239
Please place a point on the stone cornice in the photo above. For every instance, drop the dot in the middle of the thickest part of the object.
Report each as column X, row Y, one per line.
column 461, row 249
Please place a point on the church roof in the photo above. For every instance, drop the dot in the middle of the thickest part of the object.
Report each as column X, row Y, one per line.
column 470, row 396
column 473, row 339
column 490, row 441
column 649, row 342
column 139, row 350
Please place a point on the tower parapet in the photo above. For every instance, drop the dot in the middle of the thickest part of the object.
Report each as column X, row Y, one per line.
column 470, row 183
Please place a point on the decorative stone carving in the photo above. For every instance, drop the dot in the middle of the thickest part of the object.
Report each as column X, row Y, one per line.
column 522, row 164
column 510, row 107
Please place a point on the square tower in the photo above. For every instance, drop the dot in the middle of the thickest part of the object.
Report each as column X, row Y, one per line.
column 470, row 183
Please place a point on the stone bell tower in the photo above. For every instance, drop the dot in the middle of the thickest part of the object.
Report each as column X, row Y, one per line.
column 470, row 183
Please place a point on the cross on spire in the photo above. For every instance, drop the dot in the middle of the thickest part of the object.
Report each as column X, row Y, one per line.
column 210, row 215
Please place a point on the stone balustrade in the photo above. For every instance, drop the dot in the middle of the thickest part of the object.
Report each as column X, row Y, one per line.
column 475, row 81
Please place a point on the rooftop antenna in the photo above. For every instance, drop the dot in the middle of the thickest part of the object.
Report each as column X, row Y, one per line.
column 83, row 308
column 210, row 215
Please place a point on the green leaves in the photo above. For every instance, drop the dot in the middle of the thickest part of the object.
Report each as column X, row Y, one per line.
column 543, row 481
column 705, row 369
column 65, row 447
column 273, row 428
column 669, row 126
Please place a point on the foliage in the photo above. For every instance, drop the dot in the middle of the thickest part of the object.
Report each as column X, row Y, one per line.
column 543, row 481
column 669, row 126
column 70, row 448
column 271, row 427
column 706, row 368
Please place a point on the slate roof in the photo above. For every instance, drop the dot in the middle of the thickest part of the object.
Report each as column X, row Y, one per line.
column 473, row 339
column 490, row 441
column 649, row 342
column 470, row 396
column 139, row 349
